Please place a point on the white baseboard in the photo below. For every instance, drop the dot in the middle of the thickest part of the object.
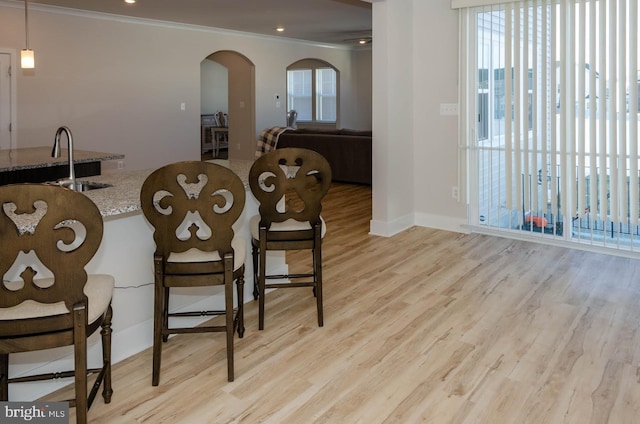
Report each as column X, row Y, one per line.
column 458, row 225
column 390, row 228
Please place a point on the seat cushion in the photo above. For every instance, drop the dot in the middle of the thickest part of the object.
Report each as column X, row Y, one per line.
column 288, row 225
column 197, row 255
column 99, row 291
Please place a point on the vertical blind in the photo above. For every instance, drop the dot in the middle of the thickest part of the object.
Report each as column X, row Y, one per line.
column 556, row 98
column 299, row 93
column 326, row 95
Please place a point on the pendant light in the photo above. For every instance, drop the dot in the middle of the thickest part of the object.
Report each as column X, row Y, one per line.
column 27, row 57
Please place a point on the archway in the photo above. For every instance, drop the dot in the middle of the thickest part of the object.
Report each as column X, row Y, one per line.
column 240, row 86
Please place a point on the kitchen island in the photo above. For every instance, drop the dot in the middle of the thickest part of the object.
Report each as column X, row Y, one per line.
column 35, row 164
column 126, row 253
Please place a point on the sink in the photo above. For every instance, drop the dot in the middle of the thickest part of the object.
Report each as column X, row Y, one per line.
column 90, row 185
column 83, row 185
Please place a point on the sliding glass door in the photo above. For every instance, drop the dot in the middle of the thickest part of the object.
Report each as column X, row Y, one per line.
column 552, row 128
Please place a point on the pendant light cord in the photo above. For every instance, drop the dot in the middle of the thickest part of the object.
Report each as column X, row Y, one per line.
column 26, row 22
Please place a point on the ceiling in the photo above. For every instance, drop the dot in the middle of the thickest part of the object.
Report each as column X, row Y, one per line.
column 342, row 22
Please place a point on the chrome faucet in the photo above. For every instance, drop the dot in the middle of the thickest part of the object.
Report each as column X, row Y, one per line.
column 55, row 153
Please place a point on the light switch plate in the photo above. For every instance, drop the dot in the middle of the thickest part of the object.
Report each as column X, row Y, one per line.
column 448, row 108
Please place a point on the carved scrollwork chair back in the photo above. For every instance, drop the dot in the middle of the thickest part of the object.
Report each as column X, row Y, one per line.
column 289, row 185
column 192, row 206
column 52, row 233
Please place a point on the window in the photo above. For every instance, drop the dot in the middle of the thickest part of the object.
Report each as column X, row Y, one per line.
column 312, row 91
column 552, row 135
column 299, row 95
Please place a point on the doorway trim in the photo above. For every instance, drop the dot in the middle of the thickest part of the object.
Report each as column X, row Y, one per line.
column 9, row 99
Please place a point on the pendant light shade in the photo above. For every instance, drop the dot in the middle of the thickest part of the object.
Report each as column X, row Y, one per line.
column 27, row 56
column 27, row 59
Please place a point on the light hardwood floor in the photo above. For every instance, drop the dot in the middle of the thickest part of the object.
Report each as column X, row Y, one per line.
column 426, row 326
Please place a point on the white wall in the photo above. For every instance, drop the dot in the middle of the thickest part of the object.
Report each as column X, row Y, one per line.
column 415, row 69
column 358, row 99
column 436, row 136
column 393, row 132
column 214, row 88
column 119, row 84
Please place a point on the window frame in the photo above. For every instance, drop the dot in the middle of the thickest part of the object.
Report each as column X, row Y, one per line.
column 314, row 65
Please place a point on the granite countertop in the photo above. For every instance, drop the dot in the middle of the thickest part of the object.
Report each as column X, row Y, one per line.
column 124, row 195
column 40, row 157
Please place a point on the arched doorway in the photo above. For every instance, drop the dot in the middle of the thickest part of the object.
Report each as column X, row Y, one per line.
column 240, row 89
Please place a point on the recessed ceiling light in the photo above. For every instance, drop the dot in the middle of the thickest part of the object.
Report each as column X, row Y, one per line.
column 280, row 28
column 130, row 1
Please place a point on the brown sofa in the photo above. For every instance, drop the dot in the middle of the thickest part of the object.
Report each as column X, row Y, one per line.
column 348, row 151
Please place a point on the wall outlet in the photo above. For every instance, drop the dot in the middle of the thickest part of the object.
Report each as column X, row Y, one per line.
column 120, row 164
column 455, row 193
